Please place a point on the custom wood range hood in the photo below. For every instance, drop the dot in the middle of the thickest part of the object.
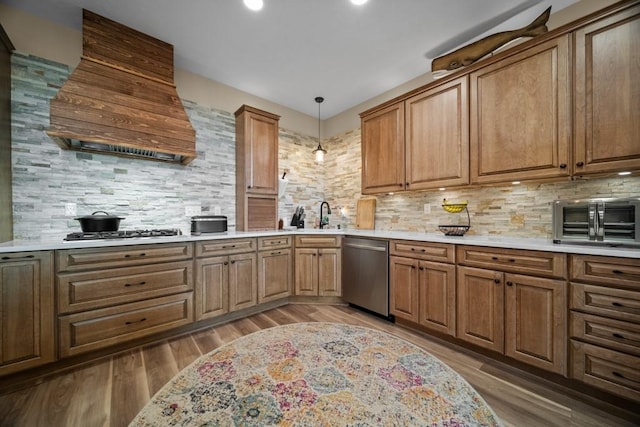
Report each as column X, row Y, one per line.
column 121, row 99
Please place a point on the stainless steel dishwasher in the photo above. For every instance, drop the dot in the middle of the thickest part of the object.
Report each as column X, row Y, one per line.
column 365, row 274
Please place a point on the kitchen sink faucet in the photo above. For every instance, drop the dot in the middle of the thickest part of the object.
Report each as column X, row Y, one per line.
column 322, row 220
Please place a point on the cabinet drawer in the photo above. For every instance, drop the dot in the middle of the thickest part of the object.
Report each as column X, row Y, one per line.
column 615, row 334
column 609, row 370
column 224, row 247
column 615, row 303
column 623, row 272
column 83, row 259
column 274, row 242
column 441, row 252
column 538, row 263
column 101, row 288
column 91, row 330
column 317, row 241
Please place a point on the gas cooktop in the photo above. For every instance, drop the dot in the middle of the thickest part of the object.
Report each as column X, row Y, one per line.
column 122, row 234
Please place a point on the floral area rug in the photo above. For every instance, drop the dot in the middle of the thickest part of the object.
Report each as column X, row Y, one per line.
column 317, row 374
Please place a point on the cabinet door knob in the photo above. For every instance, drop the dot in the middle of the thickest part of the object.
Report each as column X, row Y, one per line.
column 580, row 164
column 509, row 283
column 421, row 268
column 496, row 280
column 563, row 165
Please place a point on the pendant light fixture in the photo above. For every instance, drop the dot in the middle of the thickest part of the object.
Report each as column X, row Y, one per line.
column 319, row 152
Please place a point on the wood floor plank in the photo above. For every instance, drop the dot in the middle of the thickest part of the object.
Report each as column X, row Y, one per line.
column 129, row 389
column 185, row 351
column 113, row 391
column 159, row 365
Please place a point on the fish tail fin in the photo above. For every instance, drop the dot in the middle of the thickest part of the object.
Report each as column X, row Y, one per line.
column 538, row 26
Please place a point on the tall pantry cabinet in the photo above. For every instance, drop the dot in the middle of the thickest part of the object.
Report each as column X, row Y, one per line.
column 256, row 169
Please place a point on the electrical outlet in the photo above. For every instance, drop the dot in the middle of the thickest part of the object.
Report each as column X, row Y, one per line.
column 192, row 210
column 216, row 210
column 427, row 208
column 70, row 209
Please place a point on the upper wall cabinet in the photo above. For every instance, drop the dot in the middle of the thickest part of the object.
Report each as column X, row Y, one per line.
column 437, row 137
column 417, row 144
column 383, row 150
column 560, row 105
column 521, row 117
column 607, row 94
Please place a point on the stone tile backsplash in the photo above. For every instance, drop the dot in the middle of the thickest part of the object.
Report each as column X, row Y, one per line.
column 148, row 194
column 154, row 195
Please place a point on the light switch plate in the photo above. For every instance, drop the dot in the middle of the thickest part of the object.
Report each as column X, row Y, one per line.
column 427, row 208
column 216, row 210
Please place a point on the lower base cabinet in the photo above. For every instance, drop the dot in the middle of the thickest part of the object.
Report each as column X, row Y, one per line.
column 95, row 329
column 26, row 311
column 275, row 274
column 521, row 316
column 225, row 284
column 318, row 266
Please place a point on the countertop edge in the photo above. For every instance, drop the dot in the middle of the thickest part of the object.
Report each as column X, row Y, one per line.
column 488, row 241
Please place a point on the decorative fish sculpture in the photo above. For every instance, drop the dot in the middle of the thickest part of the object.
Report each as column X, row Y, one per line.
column 471, row 53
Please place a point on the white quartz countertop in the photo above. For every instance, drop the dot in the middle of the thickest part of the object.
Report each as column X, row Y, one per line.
column 491, row 241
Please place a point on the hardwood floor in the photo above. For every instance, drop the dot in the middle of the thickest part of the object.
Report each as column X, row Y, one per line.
column 112, row 391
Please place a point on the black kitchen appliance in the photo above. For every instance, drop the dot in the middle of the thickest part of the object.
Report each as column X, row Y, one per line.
column 612, row 222
column 208, row 224
column 122, row 234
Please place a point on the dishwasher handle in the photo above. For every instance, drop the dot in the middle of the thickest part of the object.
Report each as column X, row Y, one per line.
column 366, row 247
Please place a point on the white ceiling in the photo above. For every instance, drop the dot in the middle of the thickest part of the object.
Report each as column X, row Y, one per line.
column 294, row 50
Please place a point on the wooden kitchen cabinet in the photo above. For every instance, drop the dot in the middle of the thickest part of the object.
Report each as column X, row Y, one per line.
column 535, row 321
column 275, row 268
column 225, row 276
column 256, row 169
column 318, row 266
column 110, row 295
column 607, row 94
column 403, row 292
column 520, row 115
column 26, row 311
column 521, row 316
column 419, row 143
column 605, row 323
column 480, row 308
column 383, row 153
column 437, row 136
column 423, row 285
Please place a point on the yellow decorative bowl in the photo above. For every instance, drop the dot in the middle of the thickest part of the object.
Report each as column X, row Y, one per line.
column 453, row 207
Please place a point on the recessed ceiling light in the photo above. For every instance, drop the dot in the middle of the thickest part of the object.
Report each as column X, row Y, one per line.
column 358, row 2
column 516, row 182
column 624, row 173
column 441, row 188
column 253, row 4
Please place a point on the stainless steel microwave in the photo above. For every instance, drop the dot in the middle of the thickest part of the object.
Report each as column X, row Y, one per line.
column 612, row 222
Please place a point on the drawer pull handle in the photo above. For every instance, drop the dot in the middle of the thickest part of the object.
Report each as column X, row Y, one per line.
column 413, row 249
column 512, row 260
column 228, row 247
column 135, row 321
column 18, row 257
column 615, row 335
column 495, row 258
column 617, row 272
column 135, row 284
column 423, row 250
column 617, row 304
column 129, row 255
column 276, row 253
